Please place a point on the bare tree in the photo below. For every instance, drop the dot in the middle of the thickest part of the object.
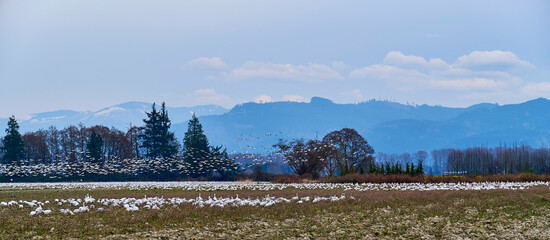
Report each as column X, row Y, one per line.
column 36, row 149
column 304, row 157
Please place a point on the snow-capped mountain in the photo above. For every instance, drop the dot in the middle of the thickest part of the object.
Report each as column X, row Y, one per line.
column 120, row 116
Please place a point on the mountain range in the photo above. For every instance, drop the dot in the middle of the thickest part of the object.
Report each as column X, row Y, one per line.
column 120, row 116
column 388, row 126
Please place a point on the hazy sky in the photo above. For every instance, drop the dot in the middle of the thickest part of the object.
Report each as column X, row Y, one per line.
column 84, row 55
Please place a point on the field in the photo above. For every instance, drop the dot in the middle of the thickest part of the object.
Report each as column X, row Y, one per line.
column 245, row 210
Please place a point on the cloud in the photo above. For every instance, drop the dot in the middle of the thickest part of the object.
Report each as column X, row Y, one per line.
column 408, row 72
column 397, row 78
column 263, row 99
column 468, row 84
column 205, row 63
column 495, row 58
column 210, row 77
column 385, row 71
column 262, row 70
column 356, row 94
column 340, row 66
column 294, row 98
column 210, row 96
column 526, row 92
column 539, row 89
column 396, row 58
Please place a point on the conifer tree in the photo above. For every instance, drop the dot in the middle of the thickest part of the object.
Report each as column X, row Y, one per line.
column 225, row 166
column 168, row 142
column 420, row 168
column 388, row 168
column 372, row 168
column 150, row 132
column 95, row 147
column 157, row 138
column 399, row 168
column 196, row 149
column 12, row 144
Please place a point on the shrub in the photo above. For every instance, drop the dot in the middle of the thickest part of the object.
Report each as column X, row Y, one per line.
column 401, row 178
column 287, row 178
column 374, row 178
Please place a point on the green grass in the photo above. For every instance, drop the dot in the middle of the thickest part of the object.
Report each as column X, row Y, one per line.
column 373, row 214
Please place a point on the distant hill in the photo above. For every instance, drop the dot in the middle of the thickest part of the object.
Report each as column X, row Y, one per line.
column 390, row 127
column 120, row 116
column 527, row 122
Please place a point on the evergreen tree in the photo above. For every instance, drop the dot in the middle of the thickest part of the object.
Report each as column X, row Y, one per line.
column 197, row 151
column 12, row 144
column 95, row 147
column 156, row 137
column 420, row 168
column 150, row 132
column 399, row 168
column 168, row 143
column 372, row 168
column 388, row 168
column 225, row 166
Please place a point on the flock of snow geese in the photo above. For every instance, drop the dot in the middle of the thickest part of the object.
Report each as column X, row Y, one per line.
column 73, row 206
column 130, row 167
column 266, row 186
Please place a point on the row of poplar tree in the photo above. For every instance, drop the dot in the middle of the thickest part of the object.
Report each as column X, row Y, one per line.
column 98, row 144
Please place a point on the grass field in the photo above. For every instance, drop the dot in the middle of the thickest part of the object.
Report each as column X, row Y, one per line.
column 394, row 214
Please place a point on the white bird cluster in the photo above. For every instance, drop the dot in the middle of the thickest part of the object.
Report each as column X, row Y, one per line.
column 39, row 210
column 264, row 186
column 72, row 206
column 60, row 169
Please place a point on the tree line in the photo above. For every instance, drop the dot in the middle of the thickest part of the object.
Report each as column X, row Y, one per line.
column 101, row 150
column 342, row 152
column 345, row 151
column 490, row 161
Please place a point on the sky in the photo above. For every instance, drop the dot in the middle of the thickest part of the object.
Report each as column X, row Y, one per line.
column 86, row 55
